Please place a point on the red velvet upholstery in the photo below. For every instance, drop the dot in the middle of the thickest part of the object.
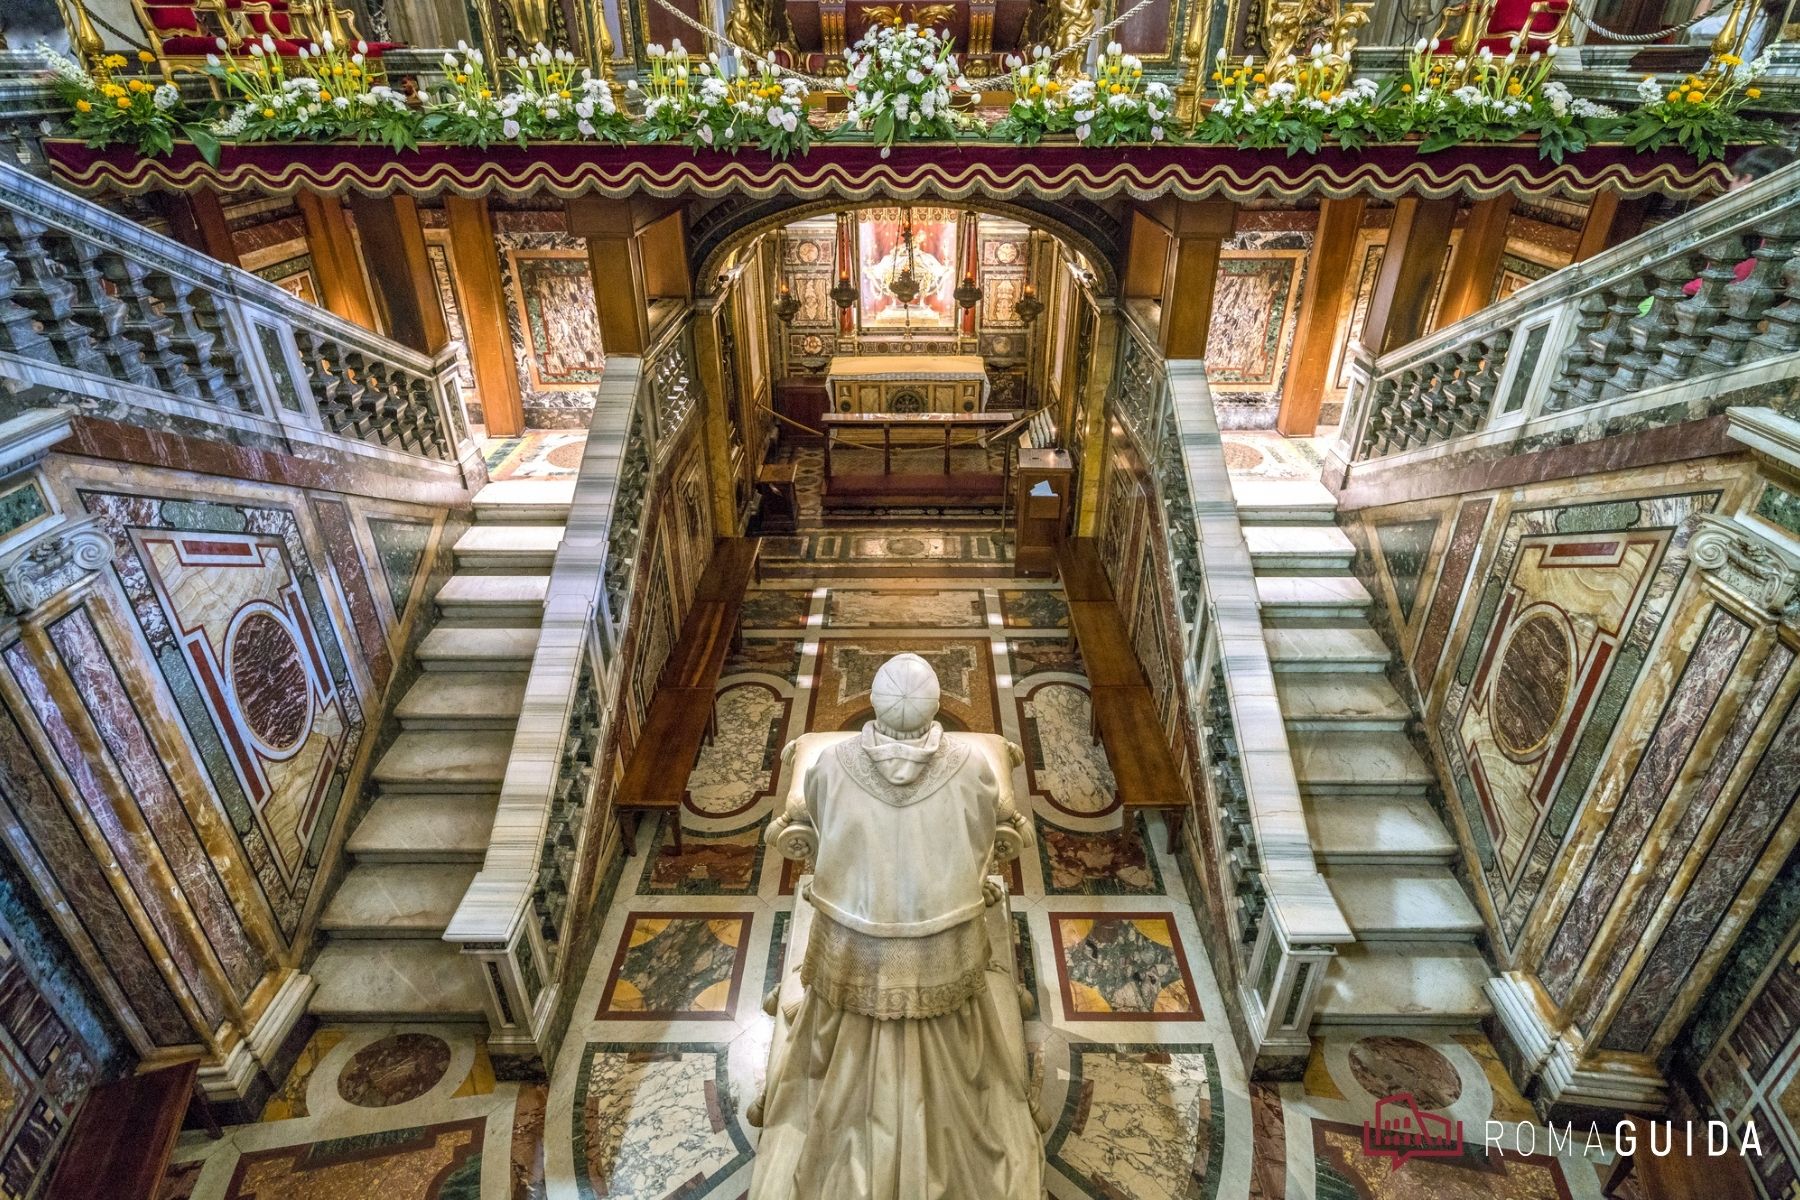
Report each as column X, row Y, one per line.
column 168, row 16
column 1509, row 17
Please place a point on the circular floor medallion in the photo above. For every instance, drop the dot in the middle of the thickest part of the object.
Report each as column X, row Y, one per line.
column 568, row 457
column 394, row 1070
column 1239, row 457
column 1387, row 1065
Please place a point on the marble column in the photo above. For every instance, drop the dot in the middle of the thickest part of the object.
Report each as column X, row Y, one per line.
column 400, row 271
column 616, row 262
column 1474, row 268
column 1196, row 230
column 1329, row 284
column 477, row 265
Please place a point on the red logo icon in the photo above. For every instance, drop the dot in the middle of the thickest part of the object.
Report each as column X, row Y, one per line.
column 1401, row 1130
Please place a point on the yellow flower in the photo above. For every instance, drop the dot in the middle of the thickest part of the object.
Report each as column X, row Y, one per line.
column 268, row 114
column 1406, row 88
column 137, row 85
column 124, row 103
column 1513, row 88
column 1259, row 77
column 83, row 106
column 113, row 62
column 564, row 94
column 1695, row 97
column 144, row 56
column 1752, row 93
column 462, row 79
column 324, row 93
column 1675, row 95
column 338, row 69
column 111, row 90
column 486, row 95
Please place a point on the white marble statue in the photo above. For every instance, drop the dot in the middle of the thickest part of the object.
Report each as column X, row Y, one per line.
column 898, row 1070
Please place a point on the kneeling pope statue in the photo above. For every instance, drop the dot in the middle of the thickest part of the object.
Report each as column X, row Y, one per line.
column 902, row 1073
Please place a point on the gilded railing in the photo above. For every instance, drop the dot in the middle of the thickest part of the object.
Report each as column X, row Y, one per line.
column 554, row 831
column 101, row 315
column 1653, row 331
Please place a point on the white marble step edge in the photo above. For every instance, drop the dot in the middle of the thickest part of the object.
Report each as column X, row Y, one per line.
column 1389, row 903
column 1312, row 595
column 1306, row 648
column 441, row 760
column 525, row 502
column 1298, row 547
column 1302, row 501
column 1351, row 700
column 471, row 648
column 515, row 601
column 397, row 900
column 1404, row 984
column 1367, row 830
column 507, row 548
column 1356, row 763
column 397, row 980
column 463, row 700
column 422, row 827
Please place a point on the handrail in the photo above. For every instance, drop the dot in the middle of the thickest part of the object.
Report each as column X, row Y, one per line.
column 129, row 323
column 514, row 915
column 1664, row 309
column 1287, row 920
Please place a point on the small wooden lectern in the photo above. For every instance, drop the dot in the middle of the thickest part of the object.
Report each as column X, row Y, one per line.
column 1040, row 521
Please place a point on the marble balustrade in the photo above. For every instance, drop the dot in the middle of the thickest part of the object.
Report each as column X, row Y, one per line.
column 1653, row 331
column 97, row 311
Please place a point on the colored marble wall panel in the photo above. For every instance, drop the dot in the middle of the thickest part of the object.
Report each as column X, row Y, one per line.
column 400, row 548
column 92, row 904
column 1458, row 556
column 1405, row 548
column 172, row 826
column 1704, row 677
column 333, row 517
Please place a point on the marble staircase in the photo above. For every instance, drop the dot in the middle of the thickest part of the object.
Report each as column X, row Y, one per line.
column 436, row 787
column 1380, row 844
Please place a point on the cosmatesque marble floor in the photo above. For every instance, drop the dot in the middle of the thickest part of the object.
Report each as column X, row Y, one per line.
column 1130, row 1044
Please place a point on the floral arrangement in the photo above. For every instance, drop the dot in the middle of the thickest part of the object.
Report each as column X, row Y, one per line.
column 902, row 82
column 551, row 96
column 1701, row 113
column 1040, row 100
column 324, row 93
column 714, row 107
column 1298, row 106
column 468, row 109
column 107, row 108
column 1117, row 106
column 1489, row 97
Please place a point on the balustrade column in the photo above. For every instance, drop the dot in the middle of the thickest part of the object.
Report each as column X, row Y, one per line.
column 393, row 241
column 476, row 262
column 1417, row 242
column 335, row 262
column 1328, row 284
column 1475, row 263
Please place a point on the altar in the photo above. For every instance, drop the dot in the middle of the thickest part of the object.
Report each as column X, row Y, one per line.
column 908, row 383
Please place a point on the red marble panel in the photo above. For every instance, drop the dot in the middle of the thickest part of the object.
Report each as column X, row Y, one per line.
column 353, row 580
column 1458, row 556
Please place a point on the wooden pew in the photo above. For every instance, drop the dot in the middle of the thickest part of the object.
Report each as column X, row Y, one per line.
column 125, row 1134
column 680, row 721
column 1124, row 714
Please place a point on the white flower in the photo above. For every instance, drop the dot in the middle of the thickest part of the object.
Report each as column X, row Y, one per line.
column 706, row 134
column 790, row 121
column 509, row 129
column 1156, row 133
column 1113, row 48
column 1084, row 132
column 585, row 127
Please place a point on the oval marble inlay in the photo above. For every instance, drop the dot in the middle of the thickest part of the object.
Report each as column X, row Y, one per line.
column 398, row 1068
column 1531, row 682
column 1386, row 1065
column 269, row 680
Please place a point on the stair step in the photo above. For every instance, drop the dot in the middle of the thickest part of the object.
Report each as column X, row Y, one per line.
column 424, row 828
column 1293, row 547
column 1414, row 904
column 477, row 648
column 525, row 502
column 511, row 600
column 1271, row 501
column 507, row 549
column 397, row 980
column 441, row 760
column 397, row 900
column 1402, row 983
column 463, row 700
column 1312, row 596
column 1329, row 763
column 1353, row 700
column 1389, row 829
column 1303, row 648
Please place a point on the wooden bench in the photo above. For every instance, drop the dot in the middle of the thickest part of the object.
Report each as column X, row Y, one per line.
column 680, row 722
column 122, row 1140
column 1123, row 710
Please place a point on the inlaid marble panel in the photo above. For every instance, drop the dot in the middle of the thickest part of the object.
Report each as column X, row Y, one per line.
column 1034, row 608
column 400, row 549
column 1253, row 311
column 433, row 1162
column 334, row 521
column 1036, row 656
column 1112, row 862
column 1405, row 548
column 1063, row 762
column 677, row 965
column 710, row 864
column 1144, row 1121
column 1122, row 967
column 851, row 609
column 776, row 608
column 555, row 311
column 1345, row 1172
column 740, row 765
column 394, row 1070
column 846, row 670
column 1386, row 1064
column 654, row 1120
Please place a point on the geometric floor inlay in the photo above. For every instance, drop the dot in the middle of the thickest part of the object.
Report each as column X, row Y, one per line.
column 1122, row 967
column 1144, row 1121
column 1345, row 1172
column 1112, row 862
column 654, row 1120
column 677, row 965
column 393, row 1070
column 434, row 1162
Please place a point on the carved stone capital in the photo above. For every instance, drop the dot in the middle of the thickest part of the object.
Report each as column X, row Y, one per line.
column 63, row 557
column 1743, row 566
